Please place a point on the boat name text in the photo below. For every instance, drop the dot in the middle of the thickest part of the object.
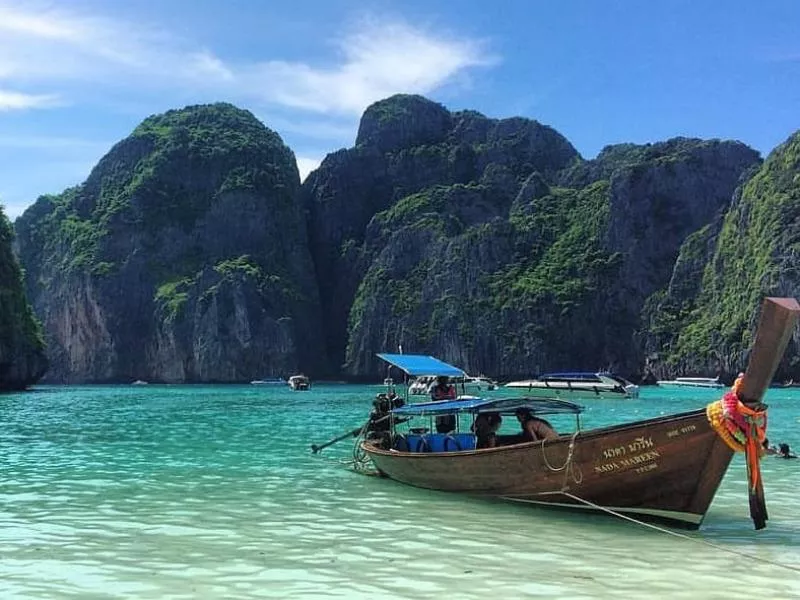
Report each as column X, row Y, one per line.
column 681, row 431
column 631, row 461
column 637, row 445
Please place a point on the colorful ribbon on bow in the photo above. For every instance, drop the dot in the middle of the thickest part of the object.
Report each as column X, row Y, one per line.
column 743, row 429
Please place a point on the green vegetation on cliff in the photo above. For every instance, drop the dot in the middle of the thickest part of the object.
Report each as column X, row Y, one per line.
column 757, row 254
column 562, row 257
column 193, row 216
column 22, row 359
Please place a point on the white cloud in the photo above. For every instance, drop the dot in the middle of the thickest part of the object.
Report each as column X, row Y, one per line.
column 19, row 101
column 306, row 164
column 378, row 60
column 47, row 47
column 45, row 44
column 53, row 54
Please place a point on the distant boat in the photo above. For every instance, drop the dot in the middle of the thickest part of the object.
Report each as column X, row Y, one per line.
column 577, row 386
column 465, row 384
column 479, row 383
column 704, row 382
column 791, row 383
column 421, row 385
column 139, row 382
column 269, row 381
column 299, row 382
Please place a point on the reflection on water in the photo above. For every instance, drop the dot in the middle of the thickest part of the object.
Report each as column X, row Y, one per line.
column 211, row 492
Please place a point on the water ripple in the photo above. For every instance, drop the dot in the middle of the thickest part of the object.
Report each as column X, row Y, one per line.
column 211, row 492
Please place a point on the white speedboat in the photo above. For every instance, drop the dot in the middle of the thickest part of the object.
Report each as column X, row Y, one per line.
column 480, row 383
column 269, row 381
column 576, row 386
column 299, row 382
column 421, row 385
column 465, row 385
column 705, row 382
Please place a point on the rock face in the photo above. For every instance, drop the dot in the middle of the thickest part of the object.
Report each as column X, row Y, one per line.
column 183, row 257
column 408, row 146
column 192, row 253
column 495, row 246
column 22, row 351
column 706, row 324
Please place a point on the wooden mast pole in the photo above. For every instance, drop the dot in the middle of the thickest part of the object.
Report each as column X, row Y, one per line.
column 778, row 318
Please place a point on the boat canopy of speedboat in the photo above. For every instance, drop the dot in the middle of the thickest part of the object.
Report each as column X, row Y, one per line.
column 416, row 365
column 537, row 406
column 582, row 376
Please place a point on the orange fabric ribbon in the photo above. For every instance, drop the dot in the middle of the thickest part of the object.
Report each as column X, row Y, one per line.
column 743, row 429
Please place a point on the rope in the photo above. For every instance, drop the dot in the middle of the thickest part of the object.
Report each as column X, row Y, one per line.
column 361, row 461
column 568, row 467
column 674, row 533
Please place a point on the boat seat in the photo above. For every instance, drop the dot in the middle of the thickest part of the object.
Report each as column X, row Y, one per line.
column 436, row 442
column 466, row 441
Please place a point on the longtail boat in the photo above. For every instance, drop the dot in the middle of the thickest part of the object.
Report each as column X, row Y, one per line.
column 665, row 469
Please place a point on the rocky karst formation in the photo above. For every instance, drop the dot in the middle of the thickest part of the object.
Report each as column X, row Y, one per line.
column 703, row 321
column 492, row 243
column 192, row 253
column 183, row 257
column 22, row 353
column 408, row 145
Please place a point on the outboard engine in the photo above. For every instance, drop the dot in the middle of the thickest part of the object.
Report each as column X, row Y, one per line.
column 380, row 423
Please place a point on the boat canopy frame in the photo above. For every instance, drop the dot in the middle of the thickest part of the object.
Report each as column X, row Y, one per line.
column 418, row 365
column 476, row 406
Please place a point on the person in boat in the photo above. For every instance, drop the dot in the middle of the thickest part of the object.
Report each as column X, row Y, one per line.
column 485, row 429
column 534, row 429
column 784, row 451
column 442, row 391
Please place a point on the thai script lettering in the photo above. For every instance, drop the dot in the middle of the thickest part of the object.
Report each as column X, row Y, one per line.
column 640, row 444
column 614, row 452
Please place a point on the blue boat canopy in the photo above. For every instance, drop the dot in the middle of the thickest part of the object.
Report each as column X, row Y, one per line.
column 538, row 406
column 416, row 365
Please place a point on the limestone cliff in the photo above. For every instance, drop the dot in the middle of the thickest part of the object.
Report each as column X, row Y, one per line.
column 192, row 253
column 494, row 245
column 183, row 257
column 22, row 351
column 406, row 145
column 753, row 252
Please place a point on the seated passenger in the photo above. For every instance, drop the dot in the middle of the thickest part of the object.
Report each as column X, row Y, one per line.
column 443, row 390
column 534, row 429
column 485, row 429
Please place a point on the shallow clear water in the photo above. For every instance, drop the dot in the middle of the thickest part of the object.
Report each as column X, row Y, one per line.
column 212, row 492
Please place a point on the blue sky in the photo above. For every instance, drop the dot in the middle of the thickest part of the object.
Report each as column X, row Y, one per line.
column 78, row 76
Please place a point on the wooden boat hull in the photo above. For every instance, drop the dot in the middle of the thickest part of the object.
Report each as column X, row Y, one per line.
column 665, row 469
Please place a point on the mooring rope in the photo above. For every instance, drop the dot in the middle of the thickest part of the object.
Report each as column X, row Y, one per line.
column 672, row 533
column 568, row 467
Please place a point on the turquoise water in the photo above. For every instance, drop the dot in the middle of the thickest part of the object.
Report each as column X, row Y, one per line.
column 212, row 492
